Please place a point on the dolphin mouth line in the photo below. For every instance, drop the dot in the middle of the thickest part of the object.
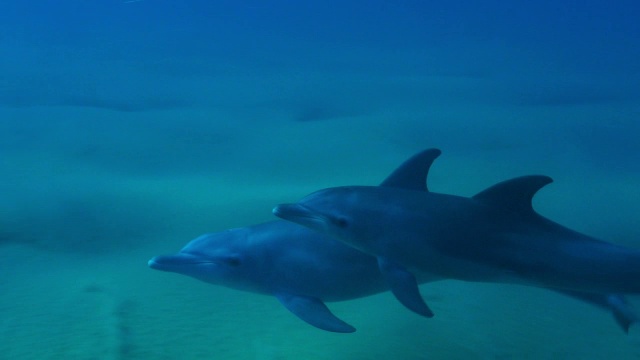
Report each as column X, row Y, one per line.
column 161, row 261
column 300, row 214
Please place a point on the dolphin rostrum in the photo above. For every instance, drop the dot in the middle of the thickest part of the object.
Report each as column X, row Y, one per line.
column 494, row 236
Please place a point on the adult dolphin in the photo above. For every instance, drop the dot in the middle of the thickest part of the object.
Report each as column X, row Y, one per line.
column 494, row 236
column 303, row 268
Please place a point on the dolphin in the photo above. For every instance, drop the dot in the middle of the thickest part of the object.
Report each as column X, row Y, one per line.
column 303, row 268
column 494, row 236
column 298, row 266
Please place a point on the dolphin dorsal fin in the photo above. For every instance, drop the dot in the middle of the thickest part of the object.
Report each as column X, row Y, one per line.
column 412, row 174
column 515, row 194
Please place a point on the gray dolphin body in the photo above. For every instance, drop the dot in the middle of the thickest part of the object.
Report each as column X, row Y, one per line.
column 494, row 236
column 300, row 267
column 304, row 268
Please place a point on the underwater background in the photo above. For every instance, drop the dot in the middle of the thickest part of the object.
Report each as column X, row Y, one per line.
column 128, row 128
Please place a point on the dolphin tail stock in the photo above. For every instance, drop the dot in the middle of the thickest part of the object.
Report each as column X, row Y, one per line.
column 602, row 267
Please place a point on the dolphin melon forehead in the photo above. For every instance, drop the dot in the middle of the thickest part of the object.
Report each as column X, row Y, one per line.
column 214, row 240
column 329, row 195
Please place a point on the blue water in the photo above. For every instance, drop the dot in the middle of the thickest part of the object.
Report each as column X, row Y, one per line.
column 129, row 127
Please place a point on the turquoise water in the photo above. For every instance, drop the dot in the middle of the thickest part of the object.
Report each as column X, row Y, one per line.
column 129, row 128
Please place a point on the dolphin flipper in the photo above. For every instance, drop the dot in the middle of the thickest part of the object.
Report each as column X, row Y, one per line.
column 314, row 312
column 622, row 312
column 404, row 286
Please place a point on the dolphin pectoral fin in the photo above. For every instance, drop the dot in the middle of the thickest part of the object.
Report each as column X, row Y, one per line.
column 314, row 312
column 404, row 286
column 622, row 312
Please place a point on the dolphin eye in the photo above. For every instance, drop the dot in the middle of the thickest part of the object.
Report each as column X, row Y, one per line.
column 232, row 261
column 341, row 222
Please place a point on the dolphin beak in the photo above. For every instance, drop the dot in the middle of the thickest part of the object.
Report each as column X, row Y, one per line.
column 292, row 211
column 300, row 214
column 173, row 262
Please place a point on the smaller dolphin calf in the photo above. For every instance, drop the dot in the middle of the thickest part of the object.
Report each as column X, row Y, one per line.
column 303, row 268
column 495, row 236
column 300, row 267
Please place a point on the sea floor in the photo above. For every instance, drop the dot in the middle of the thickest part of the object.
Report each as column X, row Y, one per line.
column 113, row 307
